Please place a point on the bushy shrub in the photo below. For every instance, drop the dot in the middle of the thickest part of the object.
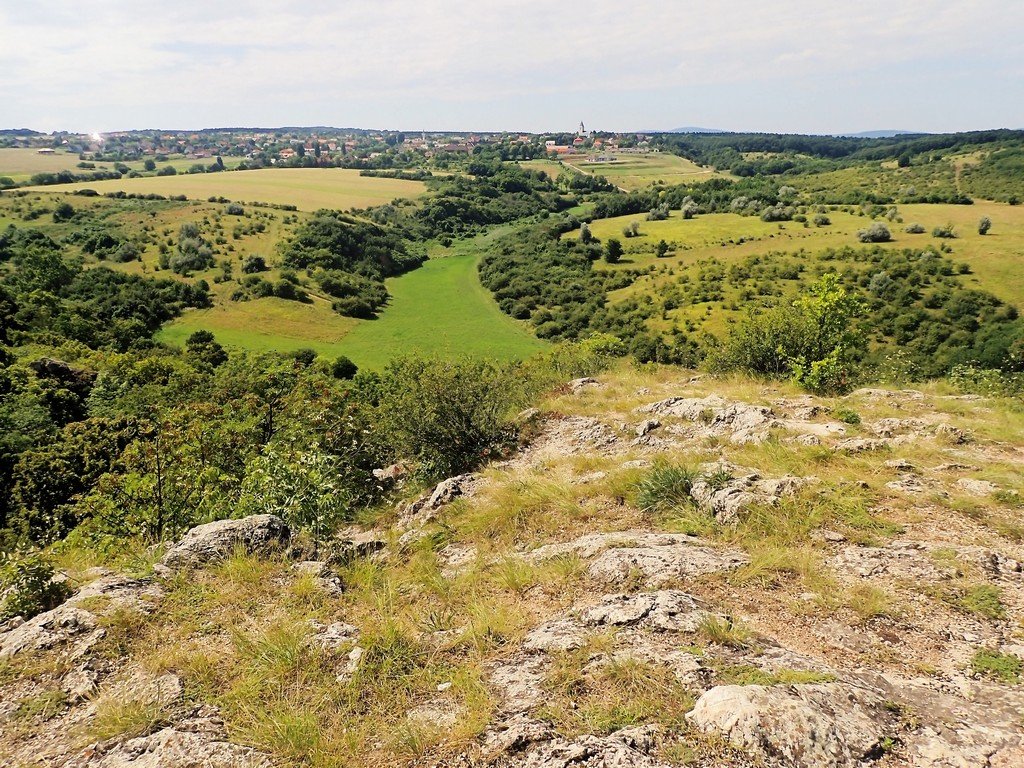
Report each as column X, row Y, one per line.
column 448, row 415
column 984, row 225
column 343, row 368
column 28, row 587
column 812, row 340
column 821, row 220
column 915, row 229
column 253, row 265
column 876, row 233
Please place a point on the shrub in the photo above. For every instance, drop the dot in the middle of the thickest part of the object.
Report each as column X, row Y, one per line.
column 613, row 251
column 821, row 220
column 876, row 233
column 30, row 588
column 944, row 233
column 254, row 264
column 447, row 415
column 847, row 416
column 915, row 229
column 984, row 225
column 343, row 368
column 813, row 340
column 234, row 209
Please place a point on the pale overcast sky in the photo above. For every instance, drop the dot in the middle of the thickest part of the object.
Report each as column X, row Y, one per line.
column 786, row 65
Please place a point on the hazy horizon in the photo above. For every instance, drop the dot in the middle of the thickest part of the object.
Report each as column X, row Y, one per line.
column 493, row 65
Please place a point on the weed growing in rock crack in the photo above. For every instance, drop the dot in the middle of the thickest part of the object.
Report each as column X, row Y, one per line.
column 665, row 487
column 746, row 674
column 594, row 693
column 1002, row 666
column 982, row 600
column 847, row 416
column 724, row 631
column 869, row 602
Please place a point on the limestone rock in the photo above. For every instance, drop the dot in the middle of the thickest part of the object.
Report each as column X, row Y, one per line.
column 327, row 580
column 859, row 445
column 64, row 625
column 661, row 565
column 214, row 541
column 198, row 742
column 670, row 610
column 558, row 635
column 976, row 487
column 578, row 385
column 810, row 726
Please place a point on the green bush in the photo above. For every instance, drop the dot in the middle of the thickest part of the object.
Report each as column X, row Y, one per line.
column 811, row 340
column 29, row 587
column 449, row 416
column 876, row 233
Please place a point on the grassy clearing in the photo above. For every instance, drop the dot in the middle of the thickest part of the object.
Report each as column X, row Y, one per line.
column 632, row 172
column 441, row 309
column 306, row 188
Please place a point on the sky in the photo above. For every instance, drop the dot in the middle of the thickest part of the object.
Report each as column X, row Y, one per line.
column 788, row 66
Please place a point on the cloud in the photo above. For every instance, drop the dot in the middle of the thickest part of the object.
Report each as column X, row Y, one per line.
column 129, row 63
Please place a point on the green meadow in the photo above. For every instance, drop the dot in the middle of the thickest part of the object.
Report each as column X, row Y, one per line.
column 439, row 309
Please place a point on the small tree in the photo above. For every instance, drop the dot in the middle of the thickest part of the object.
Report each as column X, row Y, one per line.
column 613, row 251
column 585, row 235
column 661, row 250
column 984, row 225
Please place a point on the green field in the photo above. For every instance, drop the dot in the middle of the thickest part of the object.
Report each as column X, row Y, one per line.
column 306, row 188
column 632, row 172
column 440, row 309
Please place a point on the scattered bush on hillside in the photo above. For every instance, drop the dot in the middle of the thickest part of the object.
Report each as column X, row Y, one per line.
column 984, row 225
column 915, row 229
column 193, row 253
column 343, row 368
column 876, row 233
column 945, row 232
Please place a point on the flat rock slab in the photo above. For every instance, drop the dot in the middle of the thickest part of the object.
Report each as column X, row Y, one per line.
column 661, row 565
column 809, row 726
column 670, row 610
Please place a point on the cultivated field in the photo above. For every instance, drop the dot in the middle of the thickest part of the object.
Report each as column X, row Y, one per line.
column 306, row 188
column 21, row 164
column 637, row 171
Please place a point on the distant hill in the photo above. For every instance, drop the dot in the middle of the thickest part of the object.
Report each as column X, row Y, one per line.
column 688, row 129
column 883, row 134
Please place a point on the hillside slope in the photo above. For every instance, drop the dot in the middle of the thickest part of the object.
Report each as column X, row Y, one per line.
column 673, row 570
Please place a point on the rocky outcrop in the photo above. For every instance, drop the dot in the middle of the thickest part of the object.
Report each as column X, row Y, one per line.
column 214, row 541
column 199, row 741
column 808, row 726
